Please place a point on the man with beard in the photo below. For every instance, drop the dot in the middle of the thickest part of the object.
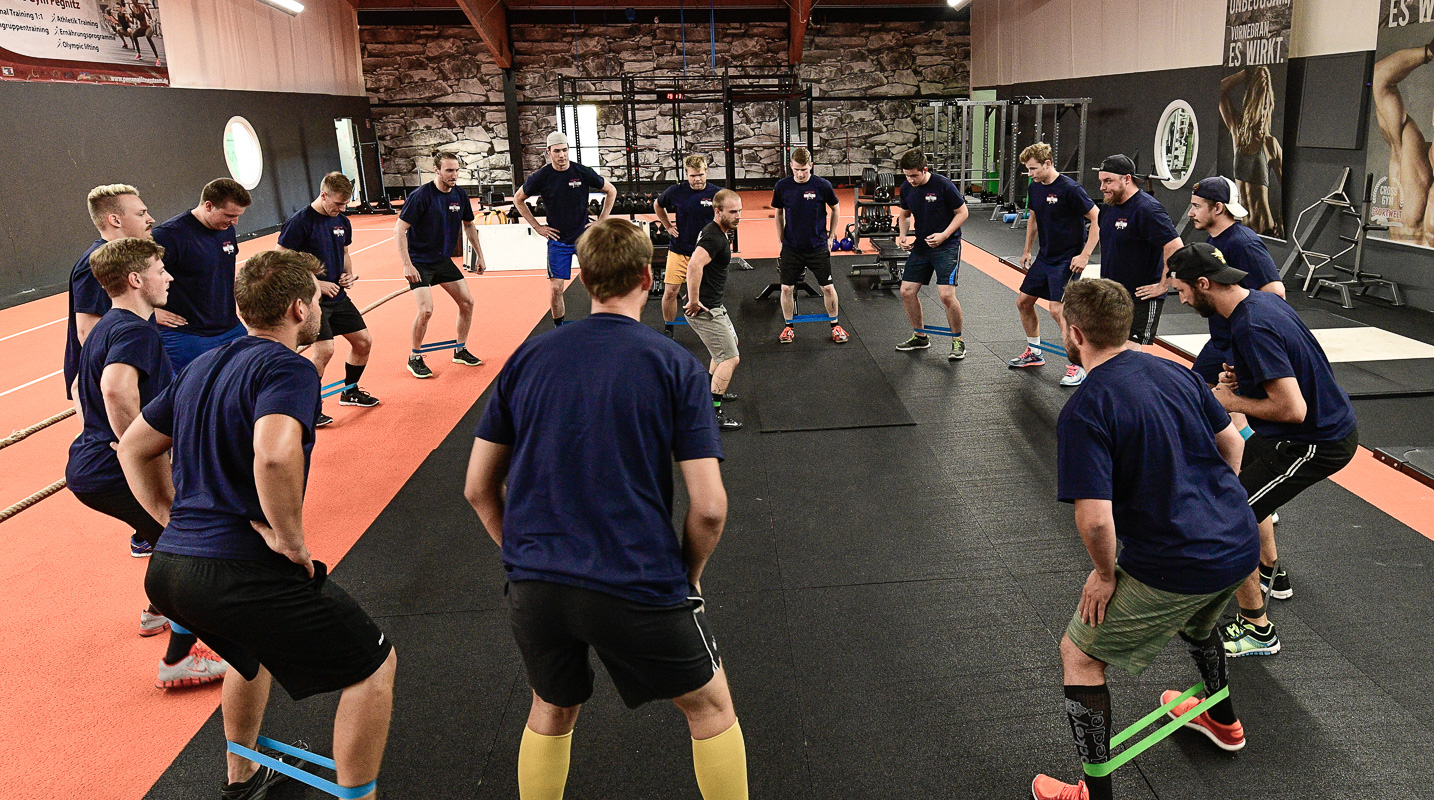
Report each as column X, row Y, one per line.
column 692, row 202
column 232, row 564
column 1304, row 424
column 1136, row 236
column 1148, row 458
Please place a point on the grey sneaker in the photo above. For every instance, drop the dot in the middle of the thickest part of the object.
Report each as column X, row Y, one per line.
column 1075, row 376
column 462, row 356
column 152, row 624
column 958, row 350
column 915, row 343
column 417, row 368
column 1030, row 358
column 201, row 666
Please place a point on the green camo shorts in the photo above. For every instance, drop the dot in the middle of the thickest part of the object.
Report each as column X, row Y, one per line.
column 1140, row 620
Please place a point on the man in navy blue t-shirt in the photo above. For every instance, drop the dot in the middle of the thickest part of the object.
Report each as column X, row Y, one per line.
column 808, row 213
column 1060, row 210
column 932, row 209
column 1136, row 236
column 122, row 367
column 1305, row 429
column 232, row 564
column 201, row 251
column 321, row 230
column 585, row 523
column 1148, row 457
column 117, row 213
column 692, row 202
column 427, row 233
column 564, row 186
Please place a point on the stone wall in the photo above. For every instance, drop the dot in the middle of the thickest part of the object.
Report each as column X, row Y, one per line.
column 431, row 70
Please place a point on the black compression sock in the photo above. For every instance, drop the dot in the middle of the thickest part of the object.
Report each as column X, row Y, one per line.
column 179, row 646
column 1209, row 658
column 352, row 373
column 1088, row 708
column 558, row 322
column 717, row 400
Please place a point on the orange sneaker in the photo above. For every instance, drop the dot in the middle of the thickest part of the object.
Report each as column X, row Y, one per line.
column 788, row 334
column 839, row 334
column 1225, row 737
column 1044, row 787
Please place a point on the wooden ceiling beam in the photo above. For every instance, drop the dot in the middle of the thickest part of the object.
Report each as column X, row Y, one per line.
column 490, row 19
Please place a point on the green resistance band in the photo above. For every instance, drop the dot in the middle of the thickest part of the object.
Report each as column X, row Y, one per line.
column 1106, row 767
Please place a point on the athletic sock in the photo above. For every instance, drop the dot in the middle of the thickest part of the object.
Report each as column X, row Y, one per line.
column 1034, row 342
column 833, row 321
column 352, row 373
column 543, row 765
column 180, row 643
column 1088, row 708
column 721, row 765
column 558, row 322
column 1209, row 658
column 459, row 346
column 787, row 323
column 416, row 352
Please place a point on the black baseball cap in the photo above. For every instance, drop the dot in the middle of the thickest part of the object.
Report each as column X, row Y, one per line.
column 1221, row 190
column 1203, row 260
column 1117, row 164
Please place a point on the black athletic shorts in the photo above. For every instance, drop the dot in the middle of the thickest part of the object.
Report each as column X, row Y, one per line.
column 1146, row 320
column 434, row 274
column 341, row 317
column 1274, row 472
column 307, row 631
column 651, row 652
column 125, row 507
column 794, row 263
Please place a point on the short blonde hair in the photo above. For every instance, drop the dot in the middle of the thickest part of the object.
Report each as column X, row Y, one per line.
column 113, row 262
column 695, row 161
column 337, row 184
column 614, row 255
column 1040, row 151
column 104, row 200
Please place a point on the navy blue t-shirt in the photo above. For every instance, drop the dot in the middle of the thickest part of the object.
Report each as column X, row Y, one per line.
column 1132, row 241
column 120, row 337
column 596, row 412
column 933, row 204
column 1268, row 342
column 435, row 222
column 805, row 207
column 1244, row 250
column 1140, row 432
column 565, row 196
column 694, row 211
column 202, row 261
column 86, row 297
column 1060, row 210
column 321, row 236
column 210, row 411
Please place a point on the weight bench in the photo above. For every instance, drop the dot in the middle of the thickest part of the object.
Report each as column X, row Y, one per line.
column 886, row 272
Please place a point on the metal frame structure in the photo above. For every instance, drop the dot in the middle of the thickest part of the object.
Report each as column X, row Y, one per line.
column 1059, row 107
column 948, row 134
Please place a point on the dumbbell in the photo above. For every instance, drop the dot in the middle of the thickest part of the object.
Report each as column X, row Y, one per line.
column 541, row 210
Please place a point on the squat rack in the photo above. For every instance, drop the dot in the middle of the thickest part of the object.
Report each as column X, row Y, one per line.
column 1059, row 107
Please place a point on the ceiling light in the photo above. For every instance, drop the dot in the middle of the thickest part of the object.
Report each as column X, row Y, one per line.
column 290, row 7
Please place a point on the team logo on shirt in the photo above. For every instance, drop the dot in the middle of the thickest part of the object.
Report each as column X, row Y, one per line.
column 574, row 183
column 932, row 198
column 1120, row 224
column 455, row 207
column 809, row 195
column 338, row 230
column 229, row 248
column 706, row 202
column 1052, row 199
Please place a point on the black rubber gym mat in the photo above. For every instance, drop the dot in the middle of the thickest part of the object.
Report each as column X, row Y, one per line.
column 821, row 391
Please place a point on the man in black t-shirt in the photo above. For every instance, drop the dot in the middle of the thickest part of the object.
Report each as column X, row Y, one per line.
column 706, row 279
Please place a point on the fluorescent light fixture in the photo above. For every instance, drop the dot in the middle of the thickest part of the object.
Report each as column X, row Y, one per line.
column 957, row 4
column 290, row 7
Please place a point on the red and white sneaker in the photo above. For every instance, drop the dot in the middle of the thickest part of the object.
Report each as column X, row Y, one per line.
column 1225, row 737
column 152, row 624
column 787, row 335
column 1075, row 376
column 201, row 666
column 1044, row 787
column 839, row 334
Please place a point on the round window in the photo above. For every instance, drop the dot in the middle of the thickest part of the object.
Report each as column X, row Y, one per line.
column 242, row 152
column 1177, row 141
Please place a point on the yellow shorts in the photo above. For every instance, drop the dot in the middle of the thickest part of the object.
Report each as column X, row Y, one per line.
column 676, row 269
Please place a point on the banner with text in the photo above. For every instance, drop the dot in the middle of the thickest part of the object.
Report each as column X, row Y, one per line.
column 1400, row 129
column 83, row 41
column 1252, row 108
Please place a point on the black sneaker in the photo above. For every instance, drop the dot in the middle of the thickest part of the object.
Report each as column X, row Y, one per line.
column 357, row 397
column 258, row 786
column 417, row 368
column 915, row 343
column 1276, row 583
column 729, row 396
column 324, row 419
column 467, row 359
column 726, row 423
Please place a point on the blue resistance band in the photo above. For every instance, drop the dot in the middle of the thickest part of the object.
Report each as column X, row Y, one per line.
column 329, row 787
column 334, row 388
column 937, row 330
column 811, row 318
column 451, row 344
column 1048, row 347
column 680, row 320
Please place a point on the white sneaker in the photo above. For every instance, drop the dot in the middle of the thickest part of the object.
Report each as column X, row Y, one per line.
column 201, row 666
column 1074, row 375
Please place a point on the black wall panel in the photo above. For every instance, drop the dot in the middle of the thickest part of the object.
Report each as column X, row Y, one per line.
column 61, row 140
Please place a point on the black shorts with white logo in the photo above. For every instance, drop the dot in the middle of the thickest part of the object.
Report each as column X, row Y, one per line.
column 307, row 631
column 1146, row 320
column 1275, row 471
column 794, row 263
column 651, row 652
column 341, row 317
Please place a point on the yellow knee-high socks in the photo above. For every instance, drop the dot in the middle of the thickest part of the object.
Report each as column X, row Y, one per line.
column 721, row 765
column 543, row 765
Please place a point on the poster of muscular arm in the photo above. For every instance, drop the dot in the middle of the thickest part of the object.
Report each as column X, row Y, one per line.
column 83, row 41
column 1403, row 121
column 1252, row 100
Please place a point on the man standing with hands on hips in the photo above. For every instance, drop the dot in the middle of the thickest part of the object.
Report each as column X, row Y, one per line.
column 564, row 185
column 1136, row 236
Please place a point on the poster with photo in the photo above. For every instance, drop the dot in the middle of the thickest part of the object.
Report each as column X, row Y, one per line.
column 83, row 41
column 1402, row 124
column 1252, row 106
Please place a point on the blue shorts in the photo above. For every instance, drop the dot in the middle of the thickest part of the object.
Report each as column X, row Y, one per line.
column 1211, row 362
column 1047, row 279
column 943, row 262
column 185, row 347
column 560, row 259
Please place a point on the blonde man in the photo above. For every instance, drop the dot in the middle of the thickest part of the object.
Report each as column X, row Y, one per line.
column 692, row 202
column 807, row 216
